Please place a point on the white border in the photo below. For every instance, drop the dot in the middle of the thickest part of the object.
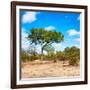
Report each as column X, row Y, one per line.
column 50, row 80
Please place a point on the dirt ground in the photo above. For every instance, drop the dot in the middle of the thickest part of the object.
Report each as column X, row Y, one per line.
column 38, row 69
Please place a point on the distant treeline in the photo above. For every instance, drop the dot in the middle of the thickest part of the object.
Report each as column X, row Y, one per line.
column 70, row 54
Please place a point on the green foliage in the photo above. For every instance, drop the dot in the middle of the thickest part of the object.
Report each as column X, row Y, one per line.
column 73, row 55
column 24, row 56
column 51, row 56
column 36, row 36
column 40, row 36
column 34, row 57
column 74, row 60
column 60, row 55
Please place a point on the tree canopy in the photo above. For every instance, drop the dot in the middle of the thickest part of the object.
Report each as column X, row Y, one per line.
column 40, row 36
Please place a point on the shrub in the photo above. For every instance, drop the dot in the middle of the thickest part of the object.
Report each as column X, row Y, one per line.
column 34, row 57
column 50, row 56
column 73, row 55
column 74, row 59
column 60, row 55
column 25, row 57
column 28, row 57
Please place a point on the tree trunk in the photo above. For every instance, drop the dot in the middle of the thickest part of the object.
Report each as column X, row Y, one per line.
column 42, row 48
column 42, row 53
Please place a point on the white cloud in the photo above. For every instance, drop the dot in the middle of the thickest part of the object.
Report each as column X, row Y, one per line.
column 38, row 49
column 73, row 32
column 29, row 17
column 57, row 46
column 49, row 28
column 77, row 39
column 77, row 45
column 24, row 41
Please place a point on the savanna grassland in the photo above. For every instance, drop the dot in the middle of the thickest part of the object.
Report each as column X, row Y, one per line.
column 53, row 63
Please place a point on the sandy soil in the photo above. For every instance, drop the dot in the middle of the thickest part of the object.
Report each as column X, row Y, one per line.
column 48, row 69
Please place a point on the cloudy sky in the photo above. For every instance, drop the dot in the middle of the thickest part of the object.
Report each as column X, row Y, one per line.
column 66, row 23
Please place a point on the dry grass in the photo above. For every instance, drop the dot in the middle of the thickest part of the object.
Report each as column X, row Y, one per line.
column 39, row 68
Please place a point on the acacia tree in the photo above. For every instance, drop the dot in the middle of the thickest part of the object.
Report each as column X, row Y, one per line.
column 44, row 38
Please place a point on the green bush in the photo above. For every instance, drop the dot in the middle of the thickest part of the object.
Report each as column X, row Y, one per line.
column 34, row 57
column 74, row 58
column 50, row 56
column 60, row 55
column 74, row 61
column 73, row 55
column 25, row 57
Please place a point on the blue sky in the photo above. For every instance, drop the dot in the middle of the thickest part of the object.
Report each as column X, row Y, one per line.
column 65, row 22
